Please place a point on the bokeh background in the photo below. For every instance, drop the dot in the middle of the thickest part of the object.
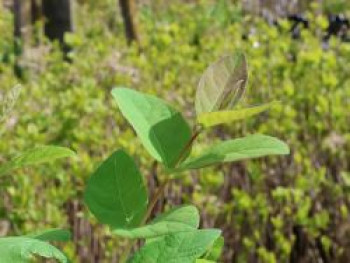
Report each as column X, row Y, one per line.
column 67, row 57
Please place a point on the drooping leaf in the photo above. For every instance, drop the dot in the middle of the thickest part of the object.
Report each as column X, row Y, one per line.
column 251, row 146
column 222, row 84
column 35, row 156
column 162, row 130
column 116, row 193
column 54, row 234
column 23, row 249
column 179, row 219
column 208, row 119
column 183, row 247
column 215, row 251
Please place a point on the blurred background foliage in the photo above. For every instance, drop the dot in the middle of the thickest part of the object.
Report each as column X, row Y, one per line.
column 279, row 209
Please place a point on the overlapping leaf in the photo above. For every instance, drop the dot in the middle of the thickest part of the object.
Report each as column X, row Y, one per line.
column 116, row 193
column 183, row 247
column 54, row 234
column 251, row 146
column 222, row 84
column 23, row 249
column 180, row 219
column 35, row 156
column 208, row 119
column 163, row 130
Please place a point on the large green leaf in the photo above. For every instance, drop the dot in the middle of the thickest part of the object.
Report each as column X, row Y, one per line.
column 179, row 219
column 163, row 130
column 222, row 84
column 251, row 146
column 116, row 193
column 183, row 247
column 23, row 249
column 53, row 234
column 35, row 156
column 208, row 119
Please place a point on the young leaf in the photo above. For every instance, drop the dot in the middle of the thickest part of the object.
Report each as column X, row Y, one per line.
column 162, row 130
column 54, row 234
column 214, row 252
column 222, row 85
column 179, row 219
column 23, row 249
column 116, row 193
column 183, row 247
column 208, row 119
column 251, row 146
column 35, row 156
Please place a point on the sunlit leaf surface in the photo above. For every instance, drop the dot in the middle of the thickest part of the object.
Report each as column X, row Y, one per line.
column 179, row 219
column 162, row 130
column 251, row 146
column 209, row 119
column 35, row 156
column 184, row 247
column 24, row 249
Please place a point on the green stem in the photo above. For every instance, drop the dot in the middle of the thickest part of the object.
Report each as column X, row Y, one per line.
column 158, row 194
column 197, row 130
column 150, row 208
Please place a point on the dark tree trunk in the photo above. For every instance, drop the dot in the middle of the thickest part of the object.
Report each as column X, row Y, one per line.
column 128, row 10
column 36, row 10
column 58, row 19
column 23, row 20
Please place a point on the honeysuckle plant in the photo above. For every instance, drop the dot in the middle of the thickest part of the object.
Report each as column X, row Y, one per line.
column 22, row 249
column 116, row 193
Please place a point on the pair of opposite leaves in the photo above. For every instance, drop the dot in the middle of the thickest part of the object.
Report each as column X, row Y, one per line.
column 166, row 134
column 116, row 193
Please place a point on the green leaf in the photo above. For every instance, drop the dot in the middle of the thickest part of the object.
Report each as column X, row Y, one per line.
column 183, row 247
column 179, row 219
column 54, row 234
column 116, row 193
column 35, row 156
column 251, row 146
column 202, row 260
column 222, row 85
column 208, row 119
column 22, row 250
column 215, row 251
column 155, row 122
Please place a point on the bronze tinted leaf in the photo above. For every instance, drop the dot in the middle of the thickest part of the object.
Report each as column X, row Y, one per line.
column 222, row 85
